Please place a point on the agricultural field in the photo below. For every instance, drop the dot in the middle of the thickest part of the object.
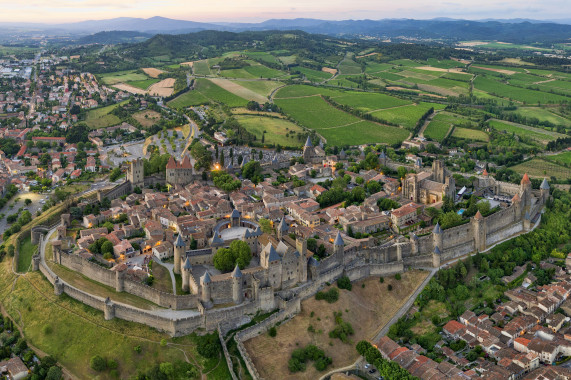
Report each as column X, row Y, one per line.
column 261, row 87
column 540, row 135
column 561, row 158
column 201, row 67
column 367, row 307
column 236, row 88
column 349, row 67
column 153, row 72
column 441, row 124
column 147, row 118
column 367, row 101
column 278, row 131
column 297, row 91
column 470, row 134
column 522, row 95
column 338, row 127
column 313, row 75
column 204, row 92
column 540, row 168
column 408, row 115
column 543, row 114
column 101, row 117
column 255, row 70
column 143, row 84
column 121, row 76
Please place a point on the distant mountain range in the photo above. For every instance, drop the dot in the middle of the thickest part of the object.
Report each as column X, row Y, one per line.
column 508, row 30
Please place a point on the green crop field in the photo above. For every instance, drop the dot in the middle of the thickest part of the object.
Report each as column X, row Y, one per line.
column 373, row 67
column 540, row 135
column 189, row 98
column 364, row 132
column 313, row 75
column 561, row 158
column 543, row 114
column 405, row 62
column 407, row 116
column 261, row 71
column 367, row 101
column 441, row 124
column 287, row 59
column 471, row 134
column 348, row 66
column 299, row 90
column 458, row 76
column 540, row 168
column 201, row 68
column 262, row 87
column 218, row 94
column 516, row 93
column 315, row 113
column 278, row 131
column 444, row 64
column 338, row 127
column 122, row 76
column 100, row 117
column 143, row 84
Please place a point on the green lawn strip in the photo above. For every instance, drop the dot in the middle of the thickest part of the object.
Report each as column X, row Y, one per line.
column 25, row 253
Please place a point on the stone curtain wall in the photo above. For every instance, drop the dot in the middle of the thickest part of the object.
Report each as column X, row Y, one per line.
column 109, row 278
column 289, row 310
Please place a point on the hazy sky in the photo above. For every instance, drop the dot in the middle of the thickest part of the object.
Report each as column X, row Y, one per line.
column 256, row 10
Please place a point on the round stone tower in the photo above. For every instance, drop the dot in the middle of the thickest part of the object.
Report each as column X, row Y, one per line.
column 237, row 293
column 179, row 248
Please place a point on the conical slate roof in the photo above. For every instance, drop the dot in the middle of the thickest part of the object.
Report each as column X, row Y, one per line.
column 235, row 214
column 383, row 154
column 544, row 185
column 283, row 226
column 437, row 250
column 338, row 239
column 437, row 229
column 273, row 256
column 237, row 273
column 527, row 216
column 187, row 265
column 217, row 240
column 179, row 242
column 308, row 142
column 413, row 236
column 205, row 279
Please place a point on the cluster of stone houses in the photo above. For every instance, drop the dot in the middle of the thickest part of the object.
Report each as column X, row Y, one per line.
column 521, row 334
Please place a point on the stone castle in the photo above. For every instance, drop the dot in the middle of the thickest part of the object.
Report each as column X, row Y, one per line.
column 426, row 187
column 312, row 154
column 179, row 173
column 284, row 270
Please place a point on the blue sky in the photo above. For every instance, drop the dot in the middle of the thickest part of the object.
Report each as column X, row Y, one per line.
column 255, row 10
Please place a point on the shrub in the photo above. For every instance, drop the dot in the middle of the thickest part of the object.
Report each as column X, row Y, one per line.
column 112, row 364
column 97, row 363
column 300, row 356
column 390, row 287
column 397, row 277
column 163, row 342
column 331, row 296
column 344, row 283
column 137, row 349
column 47, row 329
column 342, row 329
column 208, row 345
column 273, row 331
column 382, row 280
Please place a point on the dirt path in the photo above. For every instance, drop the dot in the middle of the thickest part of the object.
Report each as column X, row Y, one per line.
column 544, row 81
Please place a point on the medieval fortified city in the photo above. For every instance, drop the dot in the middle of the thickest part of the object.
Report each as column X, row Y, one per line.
column 294, row 198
